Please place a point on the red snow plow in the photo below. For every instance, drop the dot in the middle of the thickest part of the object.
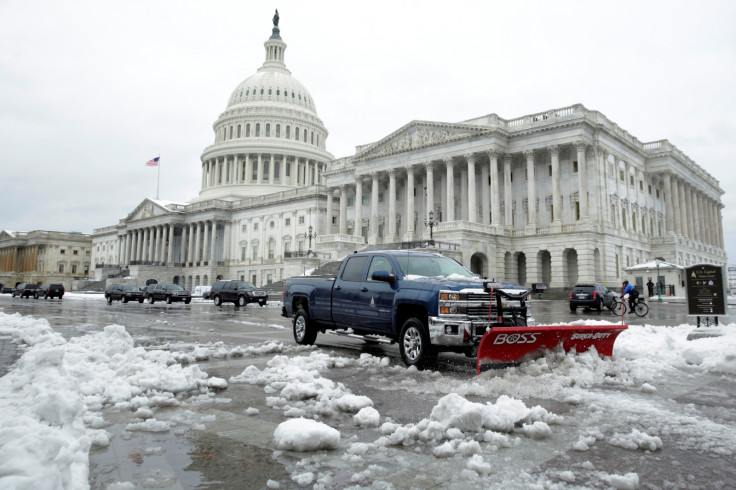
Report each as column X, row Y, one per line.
column 503, row 345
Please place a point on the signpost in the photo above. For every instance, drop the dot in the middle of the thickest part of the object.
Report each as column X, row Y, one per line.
column 705, row 289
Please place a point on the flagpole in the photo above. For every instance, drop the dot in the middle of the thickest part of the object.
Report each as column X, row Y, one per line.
column 158, row 175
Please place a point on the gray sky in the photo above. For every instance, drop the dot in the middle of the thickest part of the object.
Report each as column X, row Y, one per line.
column 90, row 90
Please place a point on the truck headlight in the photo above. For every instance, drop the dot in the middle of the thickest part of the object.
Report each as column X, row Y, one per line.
column 450, row 296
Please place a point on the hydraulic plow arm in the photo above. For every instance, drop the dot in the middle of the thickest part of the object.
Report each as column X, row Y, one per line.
column 504, row 346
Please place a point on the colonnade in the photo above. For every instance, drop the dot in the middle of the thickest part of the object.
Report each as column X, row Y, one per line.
column 459, row 208
column 156, row 244
column 261, row 169
column 19, row 259
column 692, row 213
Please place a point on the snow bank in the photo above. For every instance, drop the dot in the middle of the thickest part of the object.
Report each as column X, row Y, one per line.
column 50, row 400
column 305, row 435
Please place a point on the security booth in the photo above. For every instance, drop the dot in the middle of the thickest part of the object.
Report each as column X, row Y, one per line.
column 668, row 278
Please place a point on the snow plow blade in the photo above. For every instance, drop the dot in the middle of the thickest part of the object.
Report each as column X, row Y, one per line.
column 505, row 346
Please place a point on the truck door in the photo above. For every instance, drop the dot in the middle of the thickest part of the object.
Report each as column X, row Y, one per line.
column 346, row 291
column 375, row 307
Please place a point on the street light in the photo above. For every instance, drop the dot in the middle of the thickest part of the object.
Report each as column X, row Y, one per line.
column 659, row 285
column 431, row 222
column 310, row 235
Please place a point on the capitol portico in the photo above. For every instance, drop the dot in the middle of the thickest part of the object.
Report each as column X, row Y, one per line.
column 556, row 197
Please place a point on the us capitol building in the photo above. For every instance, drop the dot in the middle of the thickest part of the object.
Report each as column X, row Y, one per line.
column 557, row 197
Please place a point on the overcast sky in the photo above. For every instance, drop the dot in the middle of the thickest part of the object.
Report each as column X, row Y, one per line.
column 90, row 90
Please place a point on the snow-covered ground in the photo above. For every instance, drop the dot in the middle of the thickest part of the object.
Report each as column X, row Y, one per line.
column 55, row 401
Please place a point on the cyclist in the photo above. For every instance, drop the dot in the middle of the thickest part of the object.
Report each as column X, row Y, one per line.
column 631, row 290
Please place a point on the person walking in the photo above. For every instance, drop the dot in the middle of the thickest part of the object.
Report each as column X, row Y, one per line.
column 650, row 287
column 631, row 290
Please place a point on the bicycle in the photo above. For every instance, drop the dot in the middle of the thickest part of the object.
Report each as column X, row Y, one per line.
column 640, row 307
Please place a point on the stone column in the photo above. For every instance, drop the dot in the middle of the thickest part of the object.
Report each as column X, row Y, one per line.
column 154, row 244
column 508, row 205
column 195, row 255
column 213, row 247
column 373, row 234
column 689, row 214
column 344, row 210
column 554, row 151
column 699, row 219
column 493, row 155
column 190, row 243
column 680, row 207
column 170, row 251
column 205, row 241
column 581, row 147
column 358, row 226
column 485, row 195
column 429, row 168
column 390, row 234
column 328, row 215
column 531, row 189
column 271, row 168
column 410, row 230
column 670, row 211
column 472, row 200
column 450, row 191
column 139, row 246
column 259, row 175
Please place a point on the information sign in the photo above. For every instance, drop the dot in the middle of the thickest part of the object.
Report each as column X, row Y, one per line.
column 705, row 289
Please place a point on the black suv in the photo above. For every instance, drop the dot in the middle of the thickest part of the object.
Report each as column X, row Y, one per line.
column 47, row 291
column 123, row 292
column 25, row 289
column 168, row 293
column 591, row 295
column 238, row 292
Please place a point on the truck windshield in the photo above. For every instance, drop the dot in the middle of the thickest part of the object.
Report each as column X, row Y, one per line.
column 431, row 266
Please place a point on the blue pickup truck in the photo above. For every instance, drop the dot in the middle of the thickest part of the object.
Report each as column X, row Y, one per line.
column 426, row 302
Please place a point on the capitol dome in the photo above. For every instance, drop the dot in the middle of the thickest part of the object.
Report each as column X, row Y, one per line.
column 269, row 138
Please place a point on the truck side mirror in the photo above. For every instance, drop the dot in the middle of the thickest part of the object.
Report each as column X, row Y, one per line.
column 383, row 276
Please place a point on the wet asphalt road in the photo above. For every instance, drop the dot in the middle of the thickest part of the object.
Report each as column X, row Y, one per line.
column 236, row 451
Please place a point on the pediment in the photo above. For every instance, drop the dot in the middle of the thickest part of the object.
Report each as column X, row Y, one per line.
column 420, row 134
column 147, row 209
column 6, row 235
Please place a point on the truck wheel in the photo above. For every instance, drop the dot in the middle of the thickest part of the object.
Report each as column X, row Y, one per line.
column 242, row 301
column 124, row 299
column 109, row 299
column 187, row 301
column 218, row 300
column 304, row 331
column 414, row 344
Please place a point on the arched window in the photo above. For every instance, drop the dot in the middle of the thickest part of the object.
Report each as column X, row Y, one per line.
column 269, row 90
column 271, row 248
column 288, row 132
column 247, row 130
column 268, row 130
column 238, row 130
column 278, row 131
column 266, row 165
column 231, row 132
column 258, row 129
column 296, row 134
column 303, row 139
column 312, row 140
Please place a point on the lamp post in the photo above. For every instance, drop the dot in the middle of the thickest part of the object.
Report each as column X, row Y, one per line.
column 309, row 236
column 431, row 222
column 659, row 285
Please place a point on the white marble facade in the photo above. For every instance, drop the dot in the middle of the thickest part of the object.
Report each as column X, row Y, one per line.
column 557, row 197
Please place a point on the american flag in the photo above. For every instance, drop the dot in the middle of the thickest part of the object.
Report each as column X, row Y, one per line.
column 153, row 162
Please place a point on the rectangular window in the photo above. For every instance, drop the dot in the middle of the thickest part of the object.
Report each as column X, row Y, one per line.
column 334, row 220
column 63, row 252
column 242, row 253
column 301, row 220
column 74, row 269
column 266, row 170
column 287, row 222
column 245, row 228
column 649, row 186
column 365, row 200
column 255, row 171
column 276, row 168
column 574, row 166
column 657, row 193
column 621, row 176
column 61, row 268
column 255, row 252
column 641, row 185
column 287, row 247
column 549, row 171
column 380, row 197
column 351, row 202
column 631, row 180
column 255, row 226
column 287, row 172
column 75, row 252
column 551, row 212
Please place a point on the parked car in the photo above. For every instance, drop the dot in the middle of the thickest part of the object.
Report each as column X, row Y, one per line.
column 123, row 292
column 6, row 290
column 47, row 291
column 168, row 293
column 591, row 295
column 238, row 292
column 25, row 289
